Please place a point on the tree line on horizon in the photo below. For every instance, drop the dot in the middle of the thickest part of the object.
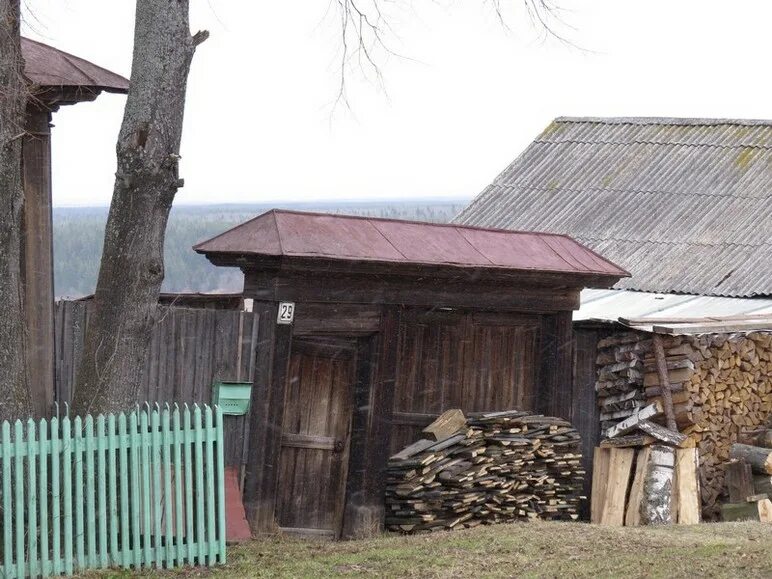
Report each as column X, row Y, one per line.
column 79, row 234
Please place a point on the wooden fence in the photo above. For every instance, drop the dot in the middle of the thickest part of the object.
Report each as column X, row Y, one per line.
column 132, row 490
column 189, row 350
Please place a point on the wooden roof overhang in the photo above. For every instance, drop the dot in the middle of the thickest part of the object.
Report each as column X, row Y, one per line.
column 331, row 258
column 57, row 78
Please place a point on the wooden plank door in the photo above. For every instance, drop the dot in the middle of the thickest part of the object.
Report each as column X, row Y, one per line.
column 315, row 436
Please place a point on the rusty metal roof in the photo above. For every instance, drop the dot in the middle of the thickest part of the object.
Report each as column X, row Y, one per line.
column 684, row 204
column 46, row 66
column 364, row 239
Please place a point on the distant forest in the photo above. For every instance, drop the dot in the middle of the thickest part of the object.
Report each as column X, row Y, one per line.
column 79, row 231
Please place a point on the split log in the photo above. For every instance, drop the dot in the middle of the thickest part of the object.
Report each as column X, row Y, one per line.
column 634, row 503
column 631, row 423
column 447, row 424
column 687, row 486
column 739, row 481
column 759, row 458
column 631, row 440
column 765, row 510
column 619, row 469
column 661, row 433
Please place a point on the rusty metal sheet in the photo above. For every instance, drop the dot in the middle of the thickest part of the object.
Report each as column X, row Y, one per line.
column 47, row 66
column 299, row 234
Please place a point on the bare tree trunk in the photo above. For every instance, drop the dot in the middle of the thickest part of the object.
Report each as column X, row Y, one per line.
column 14, row 391
column 132, row 267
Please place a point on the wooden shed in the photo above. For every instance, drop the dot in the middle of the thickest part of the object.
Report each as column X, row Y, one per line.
column 369, row 328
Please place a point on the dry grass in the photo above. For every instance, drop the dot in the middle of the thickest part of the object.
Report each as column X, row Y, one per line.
column 536, row 549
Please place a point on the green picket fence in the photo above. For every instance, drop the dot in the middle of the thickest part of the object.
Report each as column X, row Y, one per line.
column 129, row 490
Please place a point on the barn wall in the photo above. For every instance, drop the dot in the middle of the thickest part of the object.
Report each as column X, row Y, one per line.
column 479, row 362
column 189, row 350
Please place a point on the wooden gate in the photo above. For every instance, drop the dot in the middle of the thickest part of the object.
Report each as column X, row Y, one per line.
column 315, row 436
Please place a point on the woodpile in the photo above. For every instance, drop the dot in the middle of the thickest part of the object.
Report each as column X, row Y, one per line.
column 748, row 477
column 721, row 388
column 490, row 468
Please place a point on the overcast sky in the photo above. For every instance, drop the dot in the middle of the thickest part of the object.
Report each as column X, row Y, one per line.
column 466, row 100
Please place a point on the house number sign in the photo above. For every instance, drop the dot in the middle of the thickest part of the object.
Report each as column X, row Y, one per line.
column 286, row 313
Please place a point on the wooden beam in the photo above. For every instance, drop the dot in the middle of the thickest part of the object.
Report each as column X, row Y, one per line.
column 664, row 383
column 262, row 469
column 600, row 473
column 701, row 320
column 371, row 430
column 718, row 328
column 37, row 259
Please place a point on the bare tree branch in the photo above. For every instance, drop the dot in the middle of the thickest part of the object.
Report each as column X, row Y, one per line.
column 366, row 34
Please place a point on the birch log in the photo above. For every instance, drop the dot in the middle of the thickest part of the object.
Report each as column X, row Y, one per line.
column 658, row 487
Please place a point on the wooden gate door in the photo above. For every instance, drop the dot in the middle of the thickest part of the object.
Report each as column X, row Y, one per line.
column 315, row 436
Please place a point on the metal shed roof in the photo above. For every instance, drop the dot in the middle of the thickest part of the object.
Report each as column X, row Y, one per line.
column 46, row 66
column 363, row 239
column 684, row 204
column 610, row 305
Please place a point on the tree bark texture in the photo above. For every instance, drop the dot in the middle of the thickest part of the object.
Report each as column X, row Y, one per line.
column 14, row 391
column 759, row 458
column 146, row 180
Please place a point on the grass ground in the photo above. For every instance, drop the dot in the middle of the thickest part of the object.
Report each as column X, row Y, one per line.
column 538, row 549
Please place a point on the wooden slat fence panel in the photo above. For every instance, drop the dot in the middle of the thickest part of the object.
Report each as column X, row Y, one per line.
column 190, row 349
column 154, row 474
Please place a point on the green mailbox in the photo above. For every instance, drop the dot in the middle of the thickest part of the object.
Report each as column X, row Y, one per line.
column 232, row 397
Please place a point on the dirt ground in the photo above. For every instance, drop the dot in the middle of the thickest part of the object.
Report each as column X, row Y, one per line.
column 537, row 549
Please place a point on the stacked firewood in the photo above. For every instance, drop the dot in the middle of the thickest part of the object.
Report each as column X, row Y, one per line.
column 721, row 384
column 628, row 380
column 489, row 468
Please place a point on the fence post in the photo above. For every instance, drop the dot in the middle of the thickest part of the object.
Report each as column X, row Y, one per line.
column 155, row 465
column 179, row 440
column 7, row 509
column 43, row 453
column 124, row 471
column 18, row 439
column 32, row 500
column 56, row 521
column 136, row 491
column 101, row 479
column 67, row 489
column 166, row 452
column 190, row 551
column 199, row 450
column 77, row 445
column 90, row 521
column 221, row 530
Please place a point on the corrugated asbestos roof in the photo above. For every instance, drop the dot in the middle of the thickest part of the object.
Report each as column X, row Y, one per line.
column 684, row 204
column 350, row 238
column 47, row 66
